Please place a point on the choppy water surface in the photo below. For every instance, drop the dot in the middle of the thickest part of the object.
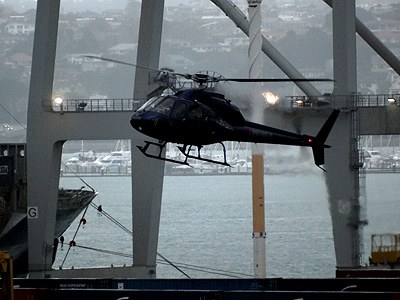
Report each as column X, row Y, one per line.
column 206, row 221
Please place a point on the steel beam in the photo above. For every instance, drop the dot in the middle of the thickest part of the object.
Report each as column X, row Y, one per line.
column 342, row 173
column 344, row 47
column 375, row 43
column 240, row 20
column 147, row 173
column 43, row 154
column 47, row 131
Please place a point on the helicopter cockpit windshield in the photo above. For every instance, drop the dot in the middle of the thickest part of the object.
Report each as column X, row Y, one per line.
column 161, row 105
column 149, row 103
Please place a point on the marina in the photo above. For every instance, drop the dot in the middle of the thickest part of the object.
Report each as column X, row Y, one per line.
column 279, row 160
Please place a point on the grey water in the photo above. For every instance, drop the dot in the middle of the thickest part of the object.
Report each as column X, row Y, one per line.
column 206, row 225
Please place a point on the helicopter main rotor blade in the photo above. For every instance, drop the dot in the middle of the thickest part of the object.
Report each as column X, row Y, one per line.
column 120, row 62
column 272, row 79
column 164, row 70
column 203, row 78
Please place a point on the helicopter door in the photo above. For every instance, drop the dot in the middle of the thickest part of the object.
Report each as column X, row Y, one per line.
column 178, row 118
column 195, row 114
column 194, row 120
column 179, row 111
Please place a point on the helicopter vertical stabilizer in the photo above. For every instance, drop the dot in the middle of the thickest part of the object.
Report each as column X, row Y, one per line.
column 327, row 127
column 318, row 149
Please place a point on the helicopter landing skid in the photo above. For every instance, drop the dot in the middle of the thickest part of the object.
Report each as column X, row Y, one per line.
column 186, row 151
column 161, row 147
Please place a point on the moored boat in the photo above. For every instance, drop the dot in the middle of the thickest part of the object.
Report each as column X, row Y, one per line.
column 13, row 205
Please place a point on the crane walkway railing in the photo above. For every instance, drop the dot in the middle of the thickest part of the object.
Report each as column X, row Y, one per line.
column 93, row 105
column 130, row 104
column 349, row 101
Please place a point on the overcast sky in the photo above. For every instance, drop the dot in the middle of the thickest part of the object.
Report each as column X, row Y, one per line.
column 98, row 5
column 83, row 5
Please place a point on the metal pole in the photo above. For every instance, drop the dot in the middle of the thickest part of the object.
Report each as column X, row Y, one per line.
column 255, row 71
column 380, row 48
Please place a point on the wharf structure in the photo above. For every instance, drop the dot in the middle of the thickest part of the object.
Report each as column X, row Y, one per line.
column 49, row 126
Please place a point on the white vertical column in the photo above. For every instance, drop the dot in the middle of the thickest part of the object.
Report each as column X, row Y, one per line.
column 255, row 39
column 43, row 151
column 147, row 173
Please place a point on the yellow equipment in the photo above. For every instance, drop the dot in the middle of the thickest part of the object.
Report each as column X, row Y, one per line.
column 6, row 271
column 385, row 249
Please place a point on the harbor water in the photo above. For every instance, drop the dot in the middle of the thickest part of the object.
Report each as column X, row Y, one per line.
column 206, row 225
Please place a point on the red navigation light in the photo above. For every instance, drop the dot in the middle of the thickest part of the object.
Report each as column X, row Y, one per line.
column 309, row 140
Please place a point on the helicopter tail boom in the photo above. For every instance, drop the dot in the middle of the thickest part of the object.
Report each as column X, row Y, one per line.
column 258, row 133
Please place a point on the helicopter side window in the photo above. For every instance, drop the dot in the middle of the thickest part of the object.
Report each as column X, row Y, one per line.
column 195, row 113
column 179, row 111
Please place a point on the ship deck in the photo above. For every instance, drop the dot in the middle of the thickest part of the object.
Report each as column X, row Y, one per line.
column 271, row 288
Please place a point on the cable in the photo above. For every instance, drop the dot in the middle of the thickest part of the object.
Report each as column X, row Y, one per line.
column 103, row 251
column 116, row 222
column 164, row 260
column 182, row 265
column 80, row 178
column 72, row 243
column 12, row 116
column 200, row 268
column 79, row 225
column 172, row 264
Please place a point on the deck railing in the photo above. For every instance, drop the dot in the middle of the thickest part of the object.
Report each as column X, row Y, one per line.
column 130, row 104
column 350, row 101
column 93, row 105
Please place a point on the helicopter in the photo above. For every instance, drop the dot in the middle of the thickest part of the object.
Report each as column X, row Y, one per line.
column 199, row 116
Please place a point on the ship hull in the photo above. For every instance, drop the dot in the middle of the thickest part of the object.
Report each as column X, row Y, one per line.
column 14, row 238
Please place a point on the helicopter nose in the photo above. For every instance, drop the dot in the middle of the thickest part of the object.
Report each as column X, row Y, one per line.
column 137, row 122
